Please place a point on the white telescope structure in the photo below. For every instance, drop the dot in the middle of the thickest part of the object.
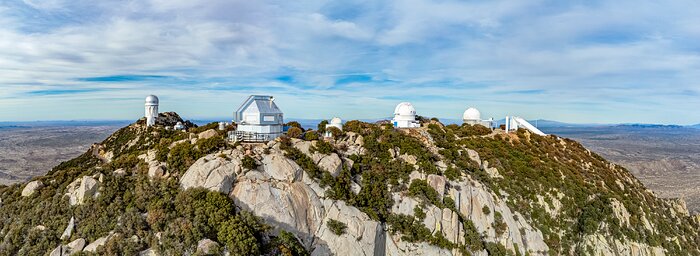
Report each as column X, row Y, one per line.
column 472, row 116
column 151, row 110
column 405, row 116
column 515, row 122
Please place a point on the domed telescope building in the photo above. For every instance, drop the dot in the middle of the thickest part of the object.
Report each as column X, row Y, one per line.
column 405, row 116
column 472, row 116
column 151, row 110
column 335, row 122
column 258, row 119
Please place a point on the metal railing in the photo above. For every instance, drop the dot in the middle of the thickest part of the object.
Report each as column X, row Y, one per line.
column 244, row 136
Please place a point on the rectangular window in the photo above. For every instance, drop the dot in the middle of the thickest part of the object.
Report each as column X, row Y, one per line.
column 269, row 118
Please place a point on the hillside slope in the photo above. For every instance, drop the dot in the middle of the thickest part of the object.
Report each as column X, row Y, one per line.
column 374, row 190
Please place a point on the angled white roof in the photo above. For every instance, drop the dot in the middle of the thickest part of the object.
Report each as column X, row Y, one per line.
column 257, row 104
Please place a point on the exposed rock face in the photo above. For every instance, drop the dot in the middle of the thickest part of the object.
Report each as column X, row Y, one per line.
column 92, row 247
column 470, row 200
column 148, row 252
column 69, row 229
column 330, row 163
column 156, row 171
column 679, row 206
column 395, row 246
column 354, row 144
column 80, row 189
column 213, row 173
column 69, row 249
column 32, row 187
column 290, row 205
column 600, row 245
column 281, row 168
column 620, row 212
column 437, row 182
column 359, row 238
column 207, row 134
column 206, row 246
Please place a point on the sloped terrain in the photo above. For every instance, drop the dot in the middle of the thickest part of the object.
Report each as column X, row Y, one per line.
column 373, row 190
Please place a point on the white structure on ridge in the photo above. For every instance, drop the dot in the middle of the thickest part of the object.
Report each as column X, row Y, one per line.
column 259, row 119
column 335, row 122
column 151, row 110
column 405, row 116
column 472, row 116
column 515, row 122
column 179, row 126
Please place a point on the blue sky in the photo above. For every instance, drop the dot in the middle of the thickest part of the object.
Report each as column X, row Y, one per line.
column 572, row 61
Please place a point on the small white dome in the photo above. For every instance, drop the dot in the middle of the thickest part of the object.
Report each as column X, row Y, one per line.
column 405, row 109
column 336, row 121
column 472, row 114
column 151, row 100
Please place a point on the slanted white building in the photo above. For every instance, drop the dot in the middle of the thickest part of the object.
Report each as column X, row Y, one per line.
column 151, row 110
column 472, row 116
column 335, row 122
column 258, row 119
column 515, row 122
column 405, row 116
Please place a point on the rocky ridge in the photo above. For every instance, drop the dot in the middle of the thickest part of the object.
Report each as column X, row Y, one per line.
column 297, row 186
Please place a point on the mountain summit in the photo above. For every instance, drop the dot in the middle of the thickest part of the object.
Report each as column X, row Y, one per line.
column 369, row 190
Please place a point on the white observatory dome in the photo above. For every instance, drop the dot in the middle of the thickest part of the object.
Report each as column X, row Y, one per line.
column 336, row 121
column 151, row 100
column 472, row 114
column 405, row 109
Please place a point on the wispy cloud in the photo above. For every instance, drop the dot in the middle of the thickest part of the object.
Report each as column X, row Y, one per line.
column 592, row 61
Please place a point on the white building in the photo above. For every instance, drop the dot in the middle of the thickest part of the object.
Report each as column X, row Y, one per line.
column 472, row 116
column 335, row 122
column 179, row 126
column 405, row 116
column 151, row 110
column 515, row 122
column 258, row 119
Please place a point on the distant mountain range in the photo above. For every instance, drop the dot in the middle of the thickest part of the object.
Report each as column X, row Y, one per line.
column 312, row 123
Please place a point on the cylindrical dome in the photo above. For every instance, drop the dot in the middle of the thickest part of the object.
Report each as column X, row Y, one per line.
column 405, row 109
column 151, row 100
column 336, row 121
column 472, row 114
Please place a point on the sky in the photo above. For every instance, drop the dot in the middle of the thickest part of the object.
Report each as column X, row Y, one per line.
column 623, row 61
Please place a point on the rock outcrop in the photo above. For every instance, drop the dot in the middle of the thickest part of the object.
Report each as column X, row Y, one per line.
column 361, row 235
column 71, row 248
column 92, row 247
column 212, row 172
column 69, row 229
column 80, row 189
column 32, row 187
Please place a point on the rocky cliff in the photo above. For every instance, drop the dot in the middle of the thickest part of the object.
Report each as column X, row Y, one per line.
column 374, row 190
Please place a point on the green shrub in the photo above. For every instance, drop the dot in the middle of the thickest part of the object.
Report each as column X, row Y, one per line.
column 472, row 238
column 486, row 210
column 322, row 147
column 335, row 131
column 418, row 213
column 287, row 244
column 336, row 227
column 496, row 249
column 421, row 189
column 310, row 135
column 321, row 127
column 498, row 224
column 240, row 234
column 210, row 145
column 294, row 132
column 249, row 163
column 294, row 124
